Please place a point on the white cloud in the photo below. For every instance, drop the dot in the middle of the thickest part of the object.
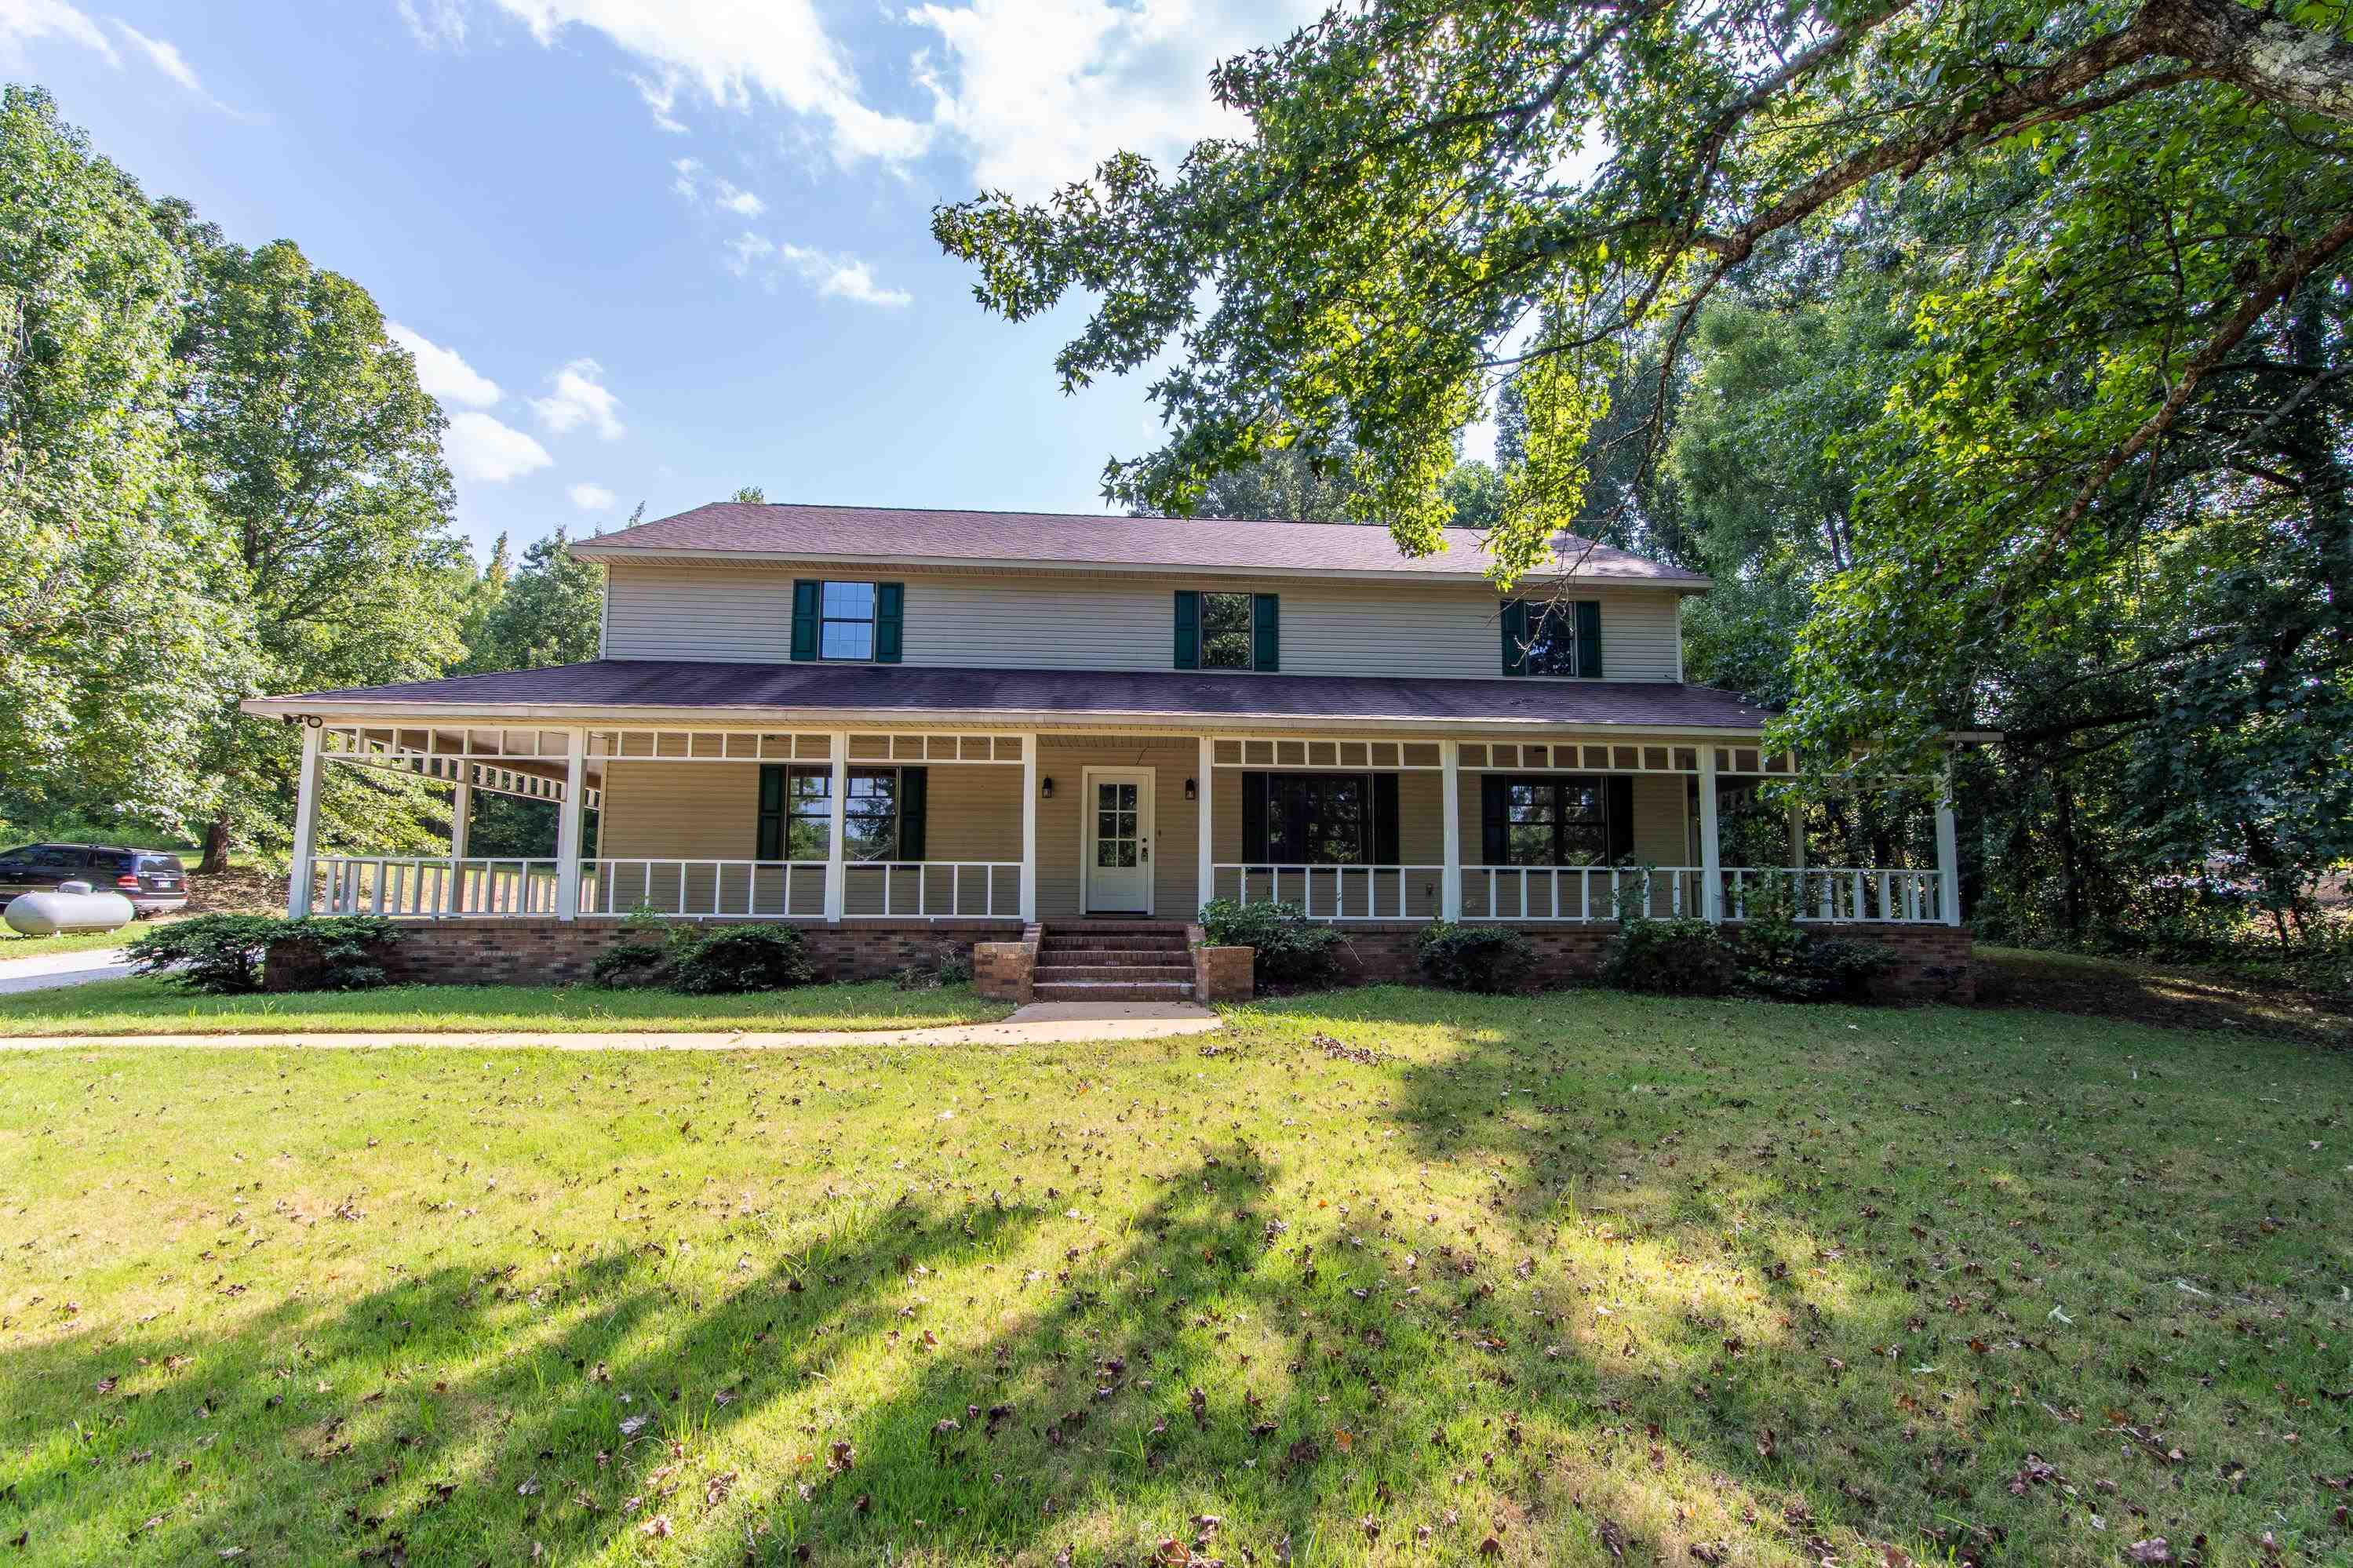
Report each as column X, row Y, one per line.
column 580, row 397
column 722, row 193
column 735, row 53
column 1038, row 92
column 436, row 23
column 833, row 276
column 165, row 56
column 24, row 21
column 442, row 372
column 483, row 448
column 592, row 497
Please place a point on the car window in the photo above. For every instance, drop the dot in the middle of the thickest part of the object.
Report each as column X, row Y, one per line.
column 18, row 853
column 59, row 856
column 167, row 864
column 117, row 860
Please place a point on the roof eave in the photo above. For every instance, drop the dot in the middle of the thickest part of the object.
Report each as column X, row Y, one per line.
column 678, row 555
column 346, row 710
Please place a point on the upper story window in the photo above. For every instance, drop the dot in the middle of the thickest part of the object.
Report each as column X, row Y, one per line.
column 846, row 629
column 1220, row 630
column 1555, row 638
column 849, row 623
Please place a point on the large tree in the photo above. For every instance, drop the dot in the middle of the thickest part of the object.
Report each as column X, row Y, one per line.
column 319, row 458
column 2116, row 390
column 116, row 617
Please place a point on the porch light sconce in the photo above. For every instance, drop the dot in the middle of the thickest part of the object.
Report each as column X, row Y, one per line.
column 1190, row 792
column 1046, row 789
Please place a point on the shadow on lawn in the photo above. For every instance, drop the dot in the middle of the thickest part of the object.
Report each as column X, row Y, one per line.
column 1713, row 1367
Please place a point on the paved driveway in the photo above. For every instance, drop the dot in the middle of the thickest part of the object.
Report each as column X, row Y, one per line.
column 52, row 970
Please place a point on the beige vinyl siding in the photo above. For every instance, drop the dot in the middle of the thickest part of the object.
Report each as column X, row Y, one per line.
column 1028, row 623
column 711, row 811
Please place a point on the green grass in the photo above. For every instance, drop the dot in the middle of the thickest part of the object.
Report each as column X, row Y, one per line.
column 1579, row 1273
column 14, row 945
column 158, row 1006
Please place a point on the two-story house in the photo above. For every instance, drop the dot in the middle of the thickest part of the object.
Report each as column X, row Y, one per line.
column 961, row 724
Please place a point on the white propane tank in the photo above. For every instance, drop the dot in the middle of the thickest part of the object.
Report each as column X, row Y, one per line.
column 72, row 907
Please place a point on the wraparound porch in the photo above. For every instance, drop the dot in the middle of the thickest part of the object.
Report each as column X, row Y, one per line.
column 938, row 825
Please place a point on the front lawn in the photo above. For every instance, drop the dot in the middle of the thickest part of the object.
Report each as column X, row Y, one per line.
column 14, row 944
column 157, row 1007
column 1381, row 1276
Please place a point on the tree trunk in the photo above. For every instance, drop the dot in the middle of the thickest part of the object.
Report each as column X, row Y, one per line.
column 216, row 859
column 2071, row 890
column 2304, row 68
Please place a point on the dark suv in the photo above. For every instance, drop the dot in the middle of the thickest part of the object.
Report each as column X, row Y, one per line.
column 153, row 882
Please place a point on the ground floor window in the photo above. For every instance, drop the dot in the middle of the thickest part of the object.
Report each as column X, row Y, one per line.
column 1319, row 819
column 883, row 815
column 1557, row 819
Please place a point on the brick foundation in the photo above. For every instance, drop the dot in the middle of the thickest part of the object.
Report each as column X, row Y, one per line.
column 1007, row 971
column 560, row 952
column 1936, row 966
column 1222, row 973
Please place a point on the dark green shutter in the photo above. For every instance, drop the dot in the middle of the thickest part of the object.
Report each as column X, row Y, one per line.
column 890, row 616
column 1188, row 629
column 1588, row 638
column 1619, row 801
column 1266, row 625
column 915, row 793
column 1254, row 817
column 1494, row 819
column 1514, row 620
column 805, row 613
column 1385, row 819
column 770, row 842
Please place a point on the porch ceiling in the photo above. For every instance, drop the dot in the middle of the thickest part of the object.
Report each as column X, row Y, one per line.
column 831, row 695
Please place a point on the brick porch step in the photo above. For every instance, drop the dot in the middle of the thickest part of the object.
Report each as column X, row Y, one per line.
column 1113, row 991
column 1066, row 974
column 1109, row 941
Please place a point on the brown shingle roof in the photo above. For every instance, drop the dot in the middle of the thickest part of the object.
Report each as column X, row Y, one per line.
column 767, row 531
column 1050, row 695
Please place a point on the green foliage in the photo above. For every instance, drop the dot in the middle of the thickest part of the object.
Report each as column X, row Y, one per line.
column 1681, row 957
column 119, row 610
column 548, row 611
column 217, row 954
column 1490, row 959
column 632, row 966
column 224, row 956
column 728, row 959
column 339, row 953
column 1291, row 949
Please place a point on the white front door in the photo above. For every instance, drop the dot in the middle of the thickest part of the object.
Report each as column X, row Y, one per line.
column 1118, row 847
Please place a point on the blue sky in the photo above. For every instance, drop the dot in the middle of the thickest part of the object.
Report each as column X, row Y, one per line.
column 655, row 249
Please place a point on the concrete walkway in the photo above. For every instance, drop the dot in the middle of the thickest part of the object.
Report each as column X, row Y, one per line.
column 1039, row 1024
column 54, row 969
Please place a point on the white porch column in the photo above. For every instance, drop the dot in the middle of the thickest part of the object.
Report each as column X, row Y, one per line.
column 1711, row 853
column 1029, row 829
column 1204, row 825
column 569, row 824
column 306, row 827
column 1449, row 885
column 837, row 876
column 1949, row 852
column 461, row 825
column 461, row 814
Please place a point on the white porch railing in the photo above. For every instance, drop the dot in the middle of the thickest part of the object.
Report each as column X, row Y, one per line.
column 411, row 886
column 932, row 889
column 1899, row 895
column 702, row 890
column 1338, row 893
column 1577, row 893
